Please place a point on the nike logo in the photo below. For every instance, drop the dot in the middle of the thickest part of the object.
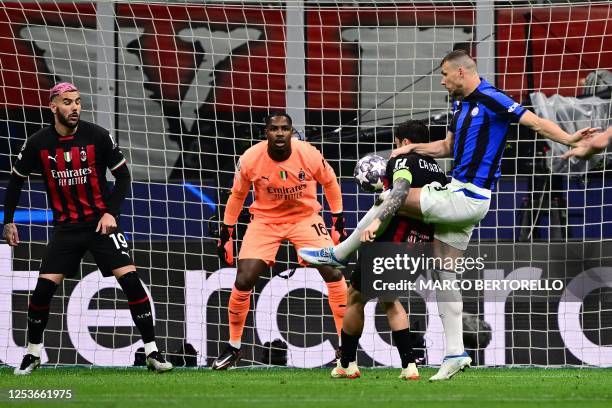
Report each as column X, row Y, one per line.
column 218, row 363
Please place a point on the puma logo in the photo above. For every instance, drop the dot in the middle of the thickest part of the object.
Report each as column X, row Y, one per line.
column 125, row 253
column 265, row 178
column 53, row 158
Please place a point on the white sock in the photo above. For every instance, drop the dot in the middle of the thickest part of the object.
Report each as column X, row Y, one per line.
column 235, row 344
column 150, row 347
column 450, row 307
column 34, row 349
column 352, row 243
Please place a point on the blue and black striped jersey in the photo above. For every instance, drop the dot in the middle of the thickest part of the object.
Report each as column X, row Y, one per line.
column 480, row 124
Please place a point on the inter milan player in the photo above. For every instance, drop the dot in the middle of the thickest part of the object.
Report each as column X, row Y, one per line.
column 72, row 156
column 476, row 141
column 402, row 172
column 284, row 173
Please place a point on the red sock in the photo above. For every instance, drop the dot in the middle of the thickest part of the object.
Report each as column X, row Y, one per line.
column 239, row 304
column 336, row 295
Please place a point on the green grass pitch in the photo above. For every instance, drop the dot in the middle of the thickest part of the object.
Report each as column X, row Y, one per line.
column 289, row 388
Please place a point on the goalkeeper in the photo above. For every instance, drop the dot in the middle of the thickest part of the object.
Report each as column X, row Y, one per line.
column 476, row 141
column 284, row 173
column 404, row 171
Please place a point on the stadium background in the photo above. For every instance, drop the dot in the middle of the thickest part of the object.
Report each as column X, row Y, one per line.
column 184, row 88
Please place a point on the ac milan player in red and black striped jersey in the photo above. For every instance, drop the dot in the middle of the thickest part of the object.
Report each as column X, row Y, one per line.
column 401, row 172
column 72, row 156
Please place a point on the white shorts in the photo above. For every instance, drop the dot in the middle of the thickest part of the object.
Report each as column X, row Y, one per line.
column 454, row 209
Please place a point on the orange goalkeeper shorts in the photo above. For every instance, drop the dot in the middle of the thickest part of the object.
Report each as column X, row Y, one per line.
column 261, row 241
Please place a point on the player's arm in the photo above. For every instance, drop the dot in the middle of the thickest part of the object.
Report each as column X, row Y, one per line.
column 552, row 131
column 119, row 169
column 590, row 146
column 25, row 164
column 325, row 175
column 439, row 148
column 233, row 208
column 402, row 179
column 13, row 191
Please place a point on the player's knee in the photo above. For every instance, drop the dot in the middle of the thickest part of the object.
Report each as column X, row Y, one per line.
column 354, row 297
column 245, row 280
column 132, row 286
column 43, row 292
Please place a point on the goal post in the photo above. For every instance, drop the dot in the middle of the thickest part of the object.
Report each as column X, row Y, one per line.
column 184, row 87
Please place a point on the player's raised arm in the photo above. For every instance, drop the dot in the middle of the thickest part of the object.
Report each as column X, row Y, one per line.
column 552, row 131
column 240, row 189
column 326, row 176
column 438, row 148
column 590, row 145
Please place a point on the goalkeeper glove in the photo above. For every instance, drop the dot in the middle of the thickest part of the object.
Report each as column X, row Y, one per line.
column 225, row 244
column 338, row 233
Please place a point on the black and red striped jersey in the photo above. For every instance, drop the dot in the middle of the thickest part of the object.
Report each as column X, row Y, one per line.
column 73, row 169
column 424, row 170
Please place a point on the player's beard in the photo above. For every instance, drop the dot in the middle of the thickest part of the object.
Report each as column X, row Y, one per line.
column 64, row 120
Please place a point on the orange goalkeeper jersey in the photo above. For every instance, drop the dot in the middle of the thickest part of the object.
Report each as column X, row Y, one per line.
column 285, row 192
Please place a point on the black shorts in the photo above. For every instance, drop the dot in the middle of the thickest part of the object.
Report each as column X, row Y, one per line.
column 68, row 245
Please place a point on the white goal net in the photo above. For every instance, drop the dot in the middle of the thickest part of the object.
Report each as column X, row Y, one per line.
column 184, row 87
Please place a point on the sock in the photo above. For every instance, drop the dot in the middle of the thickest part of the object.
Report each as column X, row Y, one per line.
column 401, row 339
column 239, row 304
column 349, row 348
column 352, row 243
column 450, row 307
column 336, row 296
column 38, row 309
column 34, row 349
column 150, row 347
column 139, row 304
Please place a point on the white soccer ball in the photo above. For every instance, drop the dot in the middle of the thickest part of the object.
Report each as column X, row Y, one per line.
column 369, row 173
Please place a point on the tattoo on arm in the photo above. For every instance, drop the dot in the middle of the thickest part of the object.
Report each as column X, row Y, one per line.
column 395, row 199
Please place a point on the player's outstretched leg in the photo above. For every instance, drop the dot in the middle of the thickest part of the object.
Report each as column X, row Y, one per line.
column 337, row 256
column 38, row 315
column 140, row 308
column 450, row 307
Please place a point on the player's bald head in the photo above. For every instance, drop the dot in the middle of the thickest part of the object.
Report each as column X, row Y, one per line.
column 460, row 59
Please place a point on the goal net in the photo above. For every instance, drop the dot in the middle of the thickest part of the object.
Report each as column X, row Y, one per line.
column 184, row 86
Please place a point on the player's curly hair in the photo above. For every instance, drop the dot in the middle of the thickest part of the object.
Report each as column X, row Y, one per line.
column 276, row 114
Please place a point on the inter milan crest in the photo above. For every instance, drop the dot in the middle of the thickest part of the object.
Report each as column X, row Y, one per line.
column 301, row 175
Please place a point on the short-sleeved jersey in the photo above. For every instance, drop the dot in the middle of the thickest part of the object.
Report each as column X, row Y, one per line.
column 286, row 191
column 73, row 169
column 480, row 123
column 422, row 170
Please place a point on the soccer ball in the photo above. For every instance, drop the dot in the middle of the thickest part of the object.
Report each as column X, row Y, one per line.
column 369, row 173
